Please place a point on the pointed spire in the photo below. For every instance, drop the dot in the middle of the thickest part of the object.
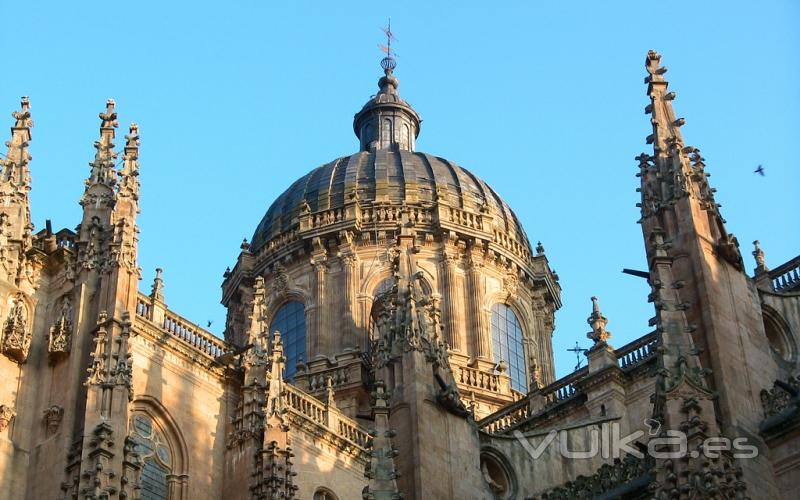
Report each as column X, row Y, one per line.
column 15, row 165
column 666, row 127
column 129, row 175
column 15, row 183
column 380, row 470
column 157, row 291
column 676, row 172
column 598, row 322
column 103, row 170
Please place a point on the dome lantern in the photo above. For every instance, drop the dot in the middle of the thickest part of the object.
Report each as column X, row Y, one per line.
column 387, row 121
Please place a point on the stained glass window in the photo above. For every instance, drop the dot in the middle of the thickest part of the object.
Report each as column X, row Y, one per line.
column 153, row 450
column 290, row 320
column 507, row 344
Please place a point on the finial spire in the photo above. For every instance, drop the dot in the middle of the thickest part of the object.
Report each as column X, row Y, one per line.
column 129, row 175
column 675, row 171
column 157, row 291
column 666, row 127
column 598, row 322
column 103, row 167
column 15, row 183
column 15, row 164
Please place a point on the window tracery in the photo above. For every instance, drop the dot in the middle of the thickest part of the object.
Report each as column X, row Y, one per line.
column 508, row 346
column 290, row 320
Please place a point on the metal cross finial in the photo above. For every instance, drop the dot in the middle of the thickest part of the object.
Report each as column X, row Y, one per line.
column 578, row 350
column 388, row 63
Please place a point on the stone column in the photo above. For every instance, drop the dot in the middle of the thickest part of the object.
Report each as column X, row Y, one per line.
column 320, row 333
column 480, row 337
column 347, row 329
column 451, row 292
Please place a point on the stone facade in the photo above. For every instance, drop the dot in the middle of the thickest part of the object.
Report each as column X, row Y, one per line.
column 416, row 357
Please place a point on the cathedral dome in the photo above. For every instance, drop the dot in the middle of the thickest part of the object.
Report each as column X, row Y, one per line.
column 388, row 174
column 387, row 177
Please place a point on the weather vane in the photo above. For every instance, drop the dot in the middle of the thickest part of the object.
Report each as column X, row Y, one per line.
column 388, row 63
column 578, row 350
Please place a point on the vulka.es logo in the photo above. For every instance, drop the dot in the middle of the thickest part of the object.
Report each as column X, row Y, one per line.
column 605, row 440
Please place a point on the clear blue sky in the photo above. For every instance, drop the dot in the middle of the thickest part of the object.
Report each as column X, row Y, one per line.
column 543, row 100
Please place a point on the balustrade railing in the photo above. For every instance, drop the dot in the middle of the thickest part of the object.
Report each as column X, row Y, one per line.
column 786, row 276
column 479, row 379
column 466, row 219
column 332, row 419
column 638, row 351
column 182, row 329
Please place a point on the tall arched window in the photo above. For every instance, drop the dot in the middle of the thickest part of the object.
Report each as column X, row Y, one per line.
column 507, row 344
column 153, row 449
column 290, row 320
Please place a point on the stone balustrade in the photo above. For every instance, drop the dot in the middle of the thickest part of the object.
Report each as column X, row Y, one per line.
column 786, row 276
column 638, row 351
column 482, row 380
column 184, row 330
column 311, row 409
column 564, row 389
column 466, row 219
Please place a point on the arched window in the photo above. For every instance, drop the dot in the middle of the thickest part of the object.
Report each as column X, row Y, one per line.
column 290, row 320
column 324, row 494
column 507, row 344
column 154, row 451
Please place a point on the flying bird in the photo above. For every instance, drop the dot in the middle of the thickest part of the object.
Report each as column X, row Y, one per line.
column 759, row 170
column 209, row 324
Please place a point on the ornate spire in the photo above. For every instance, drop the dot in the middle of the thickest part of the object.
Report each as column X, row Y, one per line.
column 380, row 470
column 598, row 322
column 157, row 291
column 129, row 175
column 666, row 128
column 15, row 172
column 103, row 170
column 675, row 171
column 386, row 121
column 15, row 213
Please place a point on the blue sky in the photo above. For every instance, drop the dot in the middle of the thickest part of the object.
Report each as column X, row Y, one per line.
column 543, row 100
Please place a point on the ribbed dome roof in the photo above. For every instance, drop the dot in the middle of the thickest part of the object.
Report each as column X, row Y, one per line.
column 393, row 177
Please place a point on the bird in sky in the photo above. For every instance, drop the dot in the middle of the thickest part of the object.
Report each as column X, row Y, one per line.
column 209, row 324
column 759, row 170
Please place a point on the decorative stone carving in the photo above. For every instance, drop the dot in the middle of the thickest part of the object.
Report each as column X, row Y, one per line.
column 98, row 370
column 16, row 335
column 7, row 414
column 598, row 322
column 61, row 331
column 607, row 478
column 98, row 477
column 122, row 373
column 52, row 419
column 280, row 280
column 777, row 399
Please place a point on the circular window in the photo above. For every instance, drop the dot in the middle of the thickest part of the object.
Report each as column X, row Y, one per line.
column 497, row 474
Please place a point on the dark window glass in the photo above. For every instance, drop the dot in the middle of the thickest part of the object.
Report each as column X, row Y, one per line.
column 291, row 322
column 507, row 344
column 151, row 446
